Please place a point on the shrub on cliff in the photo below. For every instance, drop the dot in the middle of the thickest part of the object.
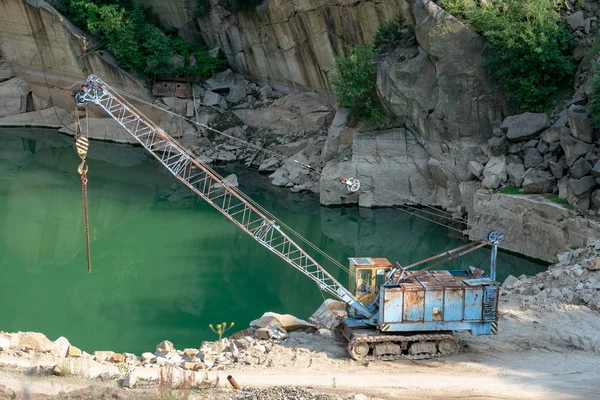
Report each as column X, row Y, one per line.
column 390, row 34
column 356, row 83
column 595, row 103
column 530, row 47
column 138, row 45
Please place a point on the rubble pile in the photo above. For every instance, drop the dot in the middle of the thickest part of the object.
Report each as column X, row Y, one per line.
column 272, row 340
column 575, row 279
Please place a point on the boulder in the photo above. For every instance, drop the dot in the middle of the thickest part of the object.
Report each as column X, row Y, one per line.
column 579, row 169
column 576, row 20
column 60, row 347
column 165, row 346
column 551, row 135
column 280, row 177
column 537, row 181
column 4, row 343
column 532, row 158
column 117, row 358
column 103, row 355
column 579, row 190
column 224, row 155
column 595, row 200
column 269, row 164
column 286, row 321
column 498, row 146
column 73, row 351
column 515, row 174
column 236, row 94
column 476, row 168
column 556, row 169
column 130, row 381
column 509, row 282
column 177, row 105
column 574, row 148
column 34, row 342
column 147, row 357
column 212, row 99
column 6, row 72
column 229, row 181
column 13, row 97
column 596, row 170
column 265, row 92
column 191, row 352
column 57, row 370
column 494, row 173
column 524, row 126
column 224, row 80
column 581, row 127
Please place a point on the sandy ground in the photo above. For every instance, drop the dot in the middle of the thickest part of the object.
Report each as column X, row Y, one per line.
column 549, row 354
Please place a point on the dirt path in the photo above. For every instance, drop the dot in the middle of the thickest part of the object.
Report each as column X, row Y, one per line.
column 551, row 354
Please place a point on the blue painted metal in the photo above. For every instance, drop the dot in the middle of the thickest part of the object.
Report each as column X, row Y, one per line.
column 438, row 301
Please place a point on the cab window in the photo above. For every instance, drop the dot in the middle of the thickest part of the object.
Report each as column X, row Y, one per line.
column 380, row 278
column 363, row 279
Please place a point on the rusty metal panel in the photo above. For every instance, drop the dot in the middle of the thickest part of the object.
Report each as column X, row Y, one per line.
column 473, row 303
column 171, row 87
column 414, row 305
column 434, row 303
column 453, row 304
column 392, row 305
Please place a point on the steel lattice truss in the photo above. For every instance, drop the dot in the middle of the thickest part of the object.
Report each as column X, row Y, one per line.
column 213, row 188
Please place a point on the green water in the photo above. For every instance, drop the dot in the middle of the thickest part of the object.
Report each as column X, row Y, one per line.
column 166, row 269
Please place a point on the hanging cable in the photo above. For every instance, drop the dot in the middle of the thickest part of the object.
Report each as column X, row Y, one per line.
column 82, row 145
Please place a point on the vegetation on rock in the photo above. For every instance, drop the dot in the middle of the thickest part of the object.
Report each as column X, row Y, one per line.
column 530, row 55
column 390, row 34
column 356, row 83
column 202, row 7
column 139, row 46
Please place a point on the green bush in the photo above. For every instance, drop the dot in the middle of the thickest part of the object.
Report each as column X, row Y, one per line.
column 202, row 7
column 245, row 5
column 138, row 45
column 595, row 103
column 356, row 83
column 458, row 8
column 530, row 48
column 389, row 34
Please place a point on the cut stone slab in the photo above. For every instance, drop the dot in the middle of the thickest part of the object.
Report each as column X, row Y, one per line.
column 236, row 94
column 211, row 98
column 524, row 126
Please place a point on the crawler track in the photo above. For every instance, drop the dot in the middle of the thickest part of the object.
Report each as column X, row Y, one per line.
column 396, row 347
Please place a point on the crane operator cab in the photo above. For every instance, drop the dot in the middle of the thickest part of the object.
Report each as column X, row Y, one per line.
column 366, row 276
